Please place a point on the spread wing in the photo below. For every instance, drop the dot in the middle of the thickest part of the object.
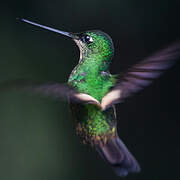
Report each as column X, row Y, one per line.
column 55, row 90
column 141, row 75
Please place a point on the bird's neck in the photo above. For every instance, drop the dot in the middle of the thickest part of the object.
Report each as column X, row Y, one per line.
column 90, row 76
column 91, row 65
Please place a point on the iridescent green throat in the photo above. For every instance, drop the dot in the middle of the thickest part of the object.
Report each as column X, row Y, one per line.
column 91, row 74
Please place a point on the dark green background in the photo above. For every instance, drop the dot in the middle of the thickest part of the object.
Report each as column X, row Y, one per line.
column 37, row 139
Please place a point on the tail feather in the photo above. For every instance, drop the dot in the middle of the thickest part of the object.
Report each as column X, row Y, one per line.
column 117, row 155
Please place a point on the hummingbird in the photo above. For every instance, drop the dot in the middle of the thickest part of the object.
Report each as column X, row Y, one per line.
column 92, row 92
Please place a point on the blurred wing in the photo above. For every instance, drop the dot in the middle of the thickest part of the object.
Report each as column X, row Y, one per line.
column 55, row 90
column 141, row 75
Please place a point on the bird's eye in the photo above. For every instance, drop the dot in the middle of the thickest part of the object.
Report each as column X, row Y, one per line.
column 87, row 39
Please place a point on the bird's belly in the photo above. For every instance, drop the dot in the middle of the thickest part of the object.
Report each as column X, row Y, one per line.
column 93, row 125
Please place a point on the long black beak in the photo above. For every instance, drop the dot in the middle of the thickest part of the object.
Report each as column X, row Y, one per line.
column 71, row 35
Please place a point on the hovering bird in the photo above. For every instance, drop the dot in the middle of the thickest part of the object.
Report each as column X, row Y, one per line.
column 93, row 92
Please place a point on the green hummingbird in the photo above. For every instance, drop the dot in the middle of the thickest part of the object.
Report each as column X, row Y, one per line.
column 92, row 93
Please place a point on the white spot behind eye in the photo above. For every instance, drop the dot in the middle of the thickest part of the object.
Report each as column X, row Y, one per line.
column 90, row 39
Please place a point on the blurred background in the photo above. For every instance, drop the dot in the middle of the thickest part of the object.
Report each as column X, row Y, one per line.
column 37, row 139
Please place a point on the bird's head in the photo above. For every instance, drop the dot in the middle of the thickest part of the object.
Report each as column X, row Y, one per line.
column 91, row 43
column 94, row 42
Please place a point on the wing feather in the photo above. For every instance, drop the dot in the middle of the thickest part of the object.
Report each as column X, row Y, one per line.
column 141, row 75
column 55, row 90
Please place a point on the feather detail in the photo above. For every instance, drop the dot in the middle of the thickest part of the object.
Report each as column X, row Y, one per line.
column 55, row 90
column 141, row 75
column 135, row 79
column 118, row 156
